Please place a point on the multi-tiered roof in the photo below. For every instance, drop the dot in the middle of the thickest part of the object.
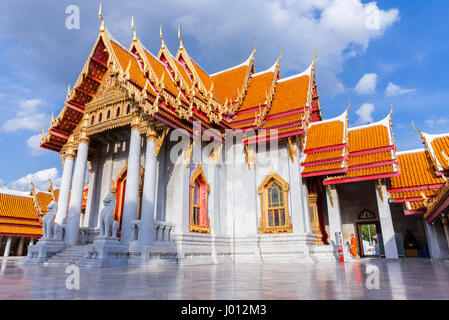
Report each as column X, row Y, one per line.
column 175, row 90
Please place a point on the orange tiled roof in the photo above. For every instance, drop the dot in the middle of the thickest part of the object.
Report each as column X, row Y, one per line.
column 258, row 87
column 416, row 171
column 124, row 57
column 160, row 70
column 413, row 194
column 204, row 77
column 290, row 94
column 368, row 138
column 441, row 147
column 438, row 146
column 227, row 83
column 322, row 136
column 327, row 134
column 367, row 158
column 323, row 155
column 18, row 216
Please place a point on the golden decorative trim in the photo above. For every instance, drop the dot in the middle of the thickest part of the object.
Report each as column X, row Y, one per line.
column 250, row 155
column 188, row 153
column 293, row 147
column 331, row 196
column 381, row 191
column 262, row 190
column 159, row 141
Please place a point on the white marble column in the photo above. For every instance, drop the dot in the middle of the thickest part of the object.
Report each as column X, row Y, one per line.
column 76, row 195
column 386, row 223
column 445, row 222
column 435, row 241
column 333, row 211
column 132, row 183
column 296, row 197
column 64, row 192
column 89, row 217
column 20, row 247
column 149, row 190
column 8, row 247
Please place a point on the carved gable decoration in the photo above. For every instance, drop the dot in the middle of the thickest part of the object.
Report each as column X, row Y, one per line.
column 366, row 215
column 109, row 92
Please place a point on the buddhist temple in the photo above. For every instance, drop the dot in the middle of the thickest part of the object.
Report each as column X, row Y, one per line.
column 189, row 167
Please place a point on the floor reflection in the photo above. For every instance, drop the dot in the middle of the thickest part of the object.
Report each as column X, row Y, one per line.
column 400, row 279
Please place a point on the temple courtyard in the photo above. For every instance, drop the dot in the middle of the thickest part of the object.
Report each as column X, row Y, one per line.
column 364, row 279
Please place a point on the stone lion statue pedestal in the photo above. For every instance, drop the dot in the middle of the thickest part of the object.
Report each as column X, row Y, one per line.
column 51, row 241
column 106, row 250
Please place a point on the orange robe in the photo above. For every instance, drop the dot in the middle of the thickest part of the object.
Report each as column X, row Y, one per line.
column 354, row 246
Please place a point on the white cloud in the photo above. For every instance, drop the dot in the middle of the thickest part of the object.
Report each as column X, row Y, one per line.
column 367, row 84
column 339, row 29
column 39, row 178
column 28, row 117
column 2, row 183
column 395, row 90
column 436, row 121
column 33, row 144
column 365, row 113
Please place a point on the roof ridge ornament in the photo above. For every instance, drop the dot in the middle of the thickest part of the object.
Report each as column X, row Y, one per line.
column 162, row 38
column 134, row 30
column 102, row 28
column 181, row 46
column 349, row 105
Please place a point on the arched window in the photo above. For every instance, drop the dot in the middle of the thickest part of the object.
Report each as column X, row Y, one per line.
column 117, row 113
column 128, row 109
column 100, row 117
column 108, row 114
column 92, row 120
column 273, row 193
column 199, row 191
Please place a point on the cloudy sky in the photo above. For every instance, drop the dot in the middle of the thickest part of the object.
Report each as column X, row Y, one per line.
column 374, row 53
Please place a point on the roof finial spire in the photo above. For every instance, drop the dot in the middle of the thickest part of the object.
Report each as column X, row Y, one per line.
column 134, row 30
column 391, row 109
column 280, row 56
column 349, row 104
column 101, row 18
column 162, row 38
column 255, row 45
column 181, row 46
column 414, row 127
column 316, row 55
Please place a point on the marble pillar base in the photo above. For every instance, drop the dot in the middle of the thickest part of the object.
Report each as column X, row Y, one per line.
column 105, row 252
column 43, row 250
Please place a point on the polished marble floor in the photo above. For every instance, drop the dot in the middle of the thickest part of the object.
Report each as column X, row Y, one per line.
column 364, row 279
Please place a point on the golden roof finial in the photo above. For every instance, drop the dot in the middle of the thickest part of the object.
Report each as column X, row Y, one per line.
column 43, row 134
column 101, row 18
column 391, row 109
column 162, row 38
column 134, row 30
column 52, row 117
column 69, row 91
column 349, row 105
column 315, row 57
column 255, row 45
column 181, row 46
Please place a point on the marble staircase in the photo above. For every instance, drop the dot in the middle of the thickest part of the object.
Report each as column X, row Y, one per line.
column 71, row 255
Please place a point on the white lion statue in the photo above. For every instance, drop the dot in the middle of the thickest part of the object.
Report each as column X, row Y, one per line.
column 108, row 225
column 50, row 228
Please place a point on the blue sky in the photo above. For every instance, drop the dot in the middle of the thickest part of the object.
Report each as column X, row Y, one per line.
column 407, row 51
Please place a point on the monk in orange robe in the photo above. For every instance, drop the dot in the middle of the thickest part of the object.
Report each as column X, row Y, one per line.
column 353, row 246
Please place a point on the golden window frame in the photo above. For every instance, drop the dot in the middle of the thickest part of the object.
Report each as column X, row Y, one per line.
column 192, row 227
column 264, row 228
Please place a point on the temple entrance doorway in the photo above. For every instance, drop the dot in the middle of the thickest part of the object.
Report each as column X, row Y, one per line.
column 369, row 235
column 118, row 189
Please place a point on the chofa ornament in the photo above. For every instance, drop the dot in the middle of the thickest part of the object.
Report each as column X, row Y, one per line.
column 108, row 225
